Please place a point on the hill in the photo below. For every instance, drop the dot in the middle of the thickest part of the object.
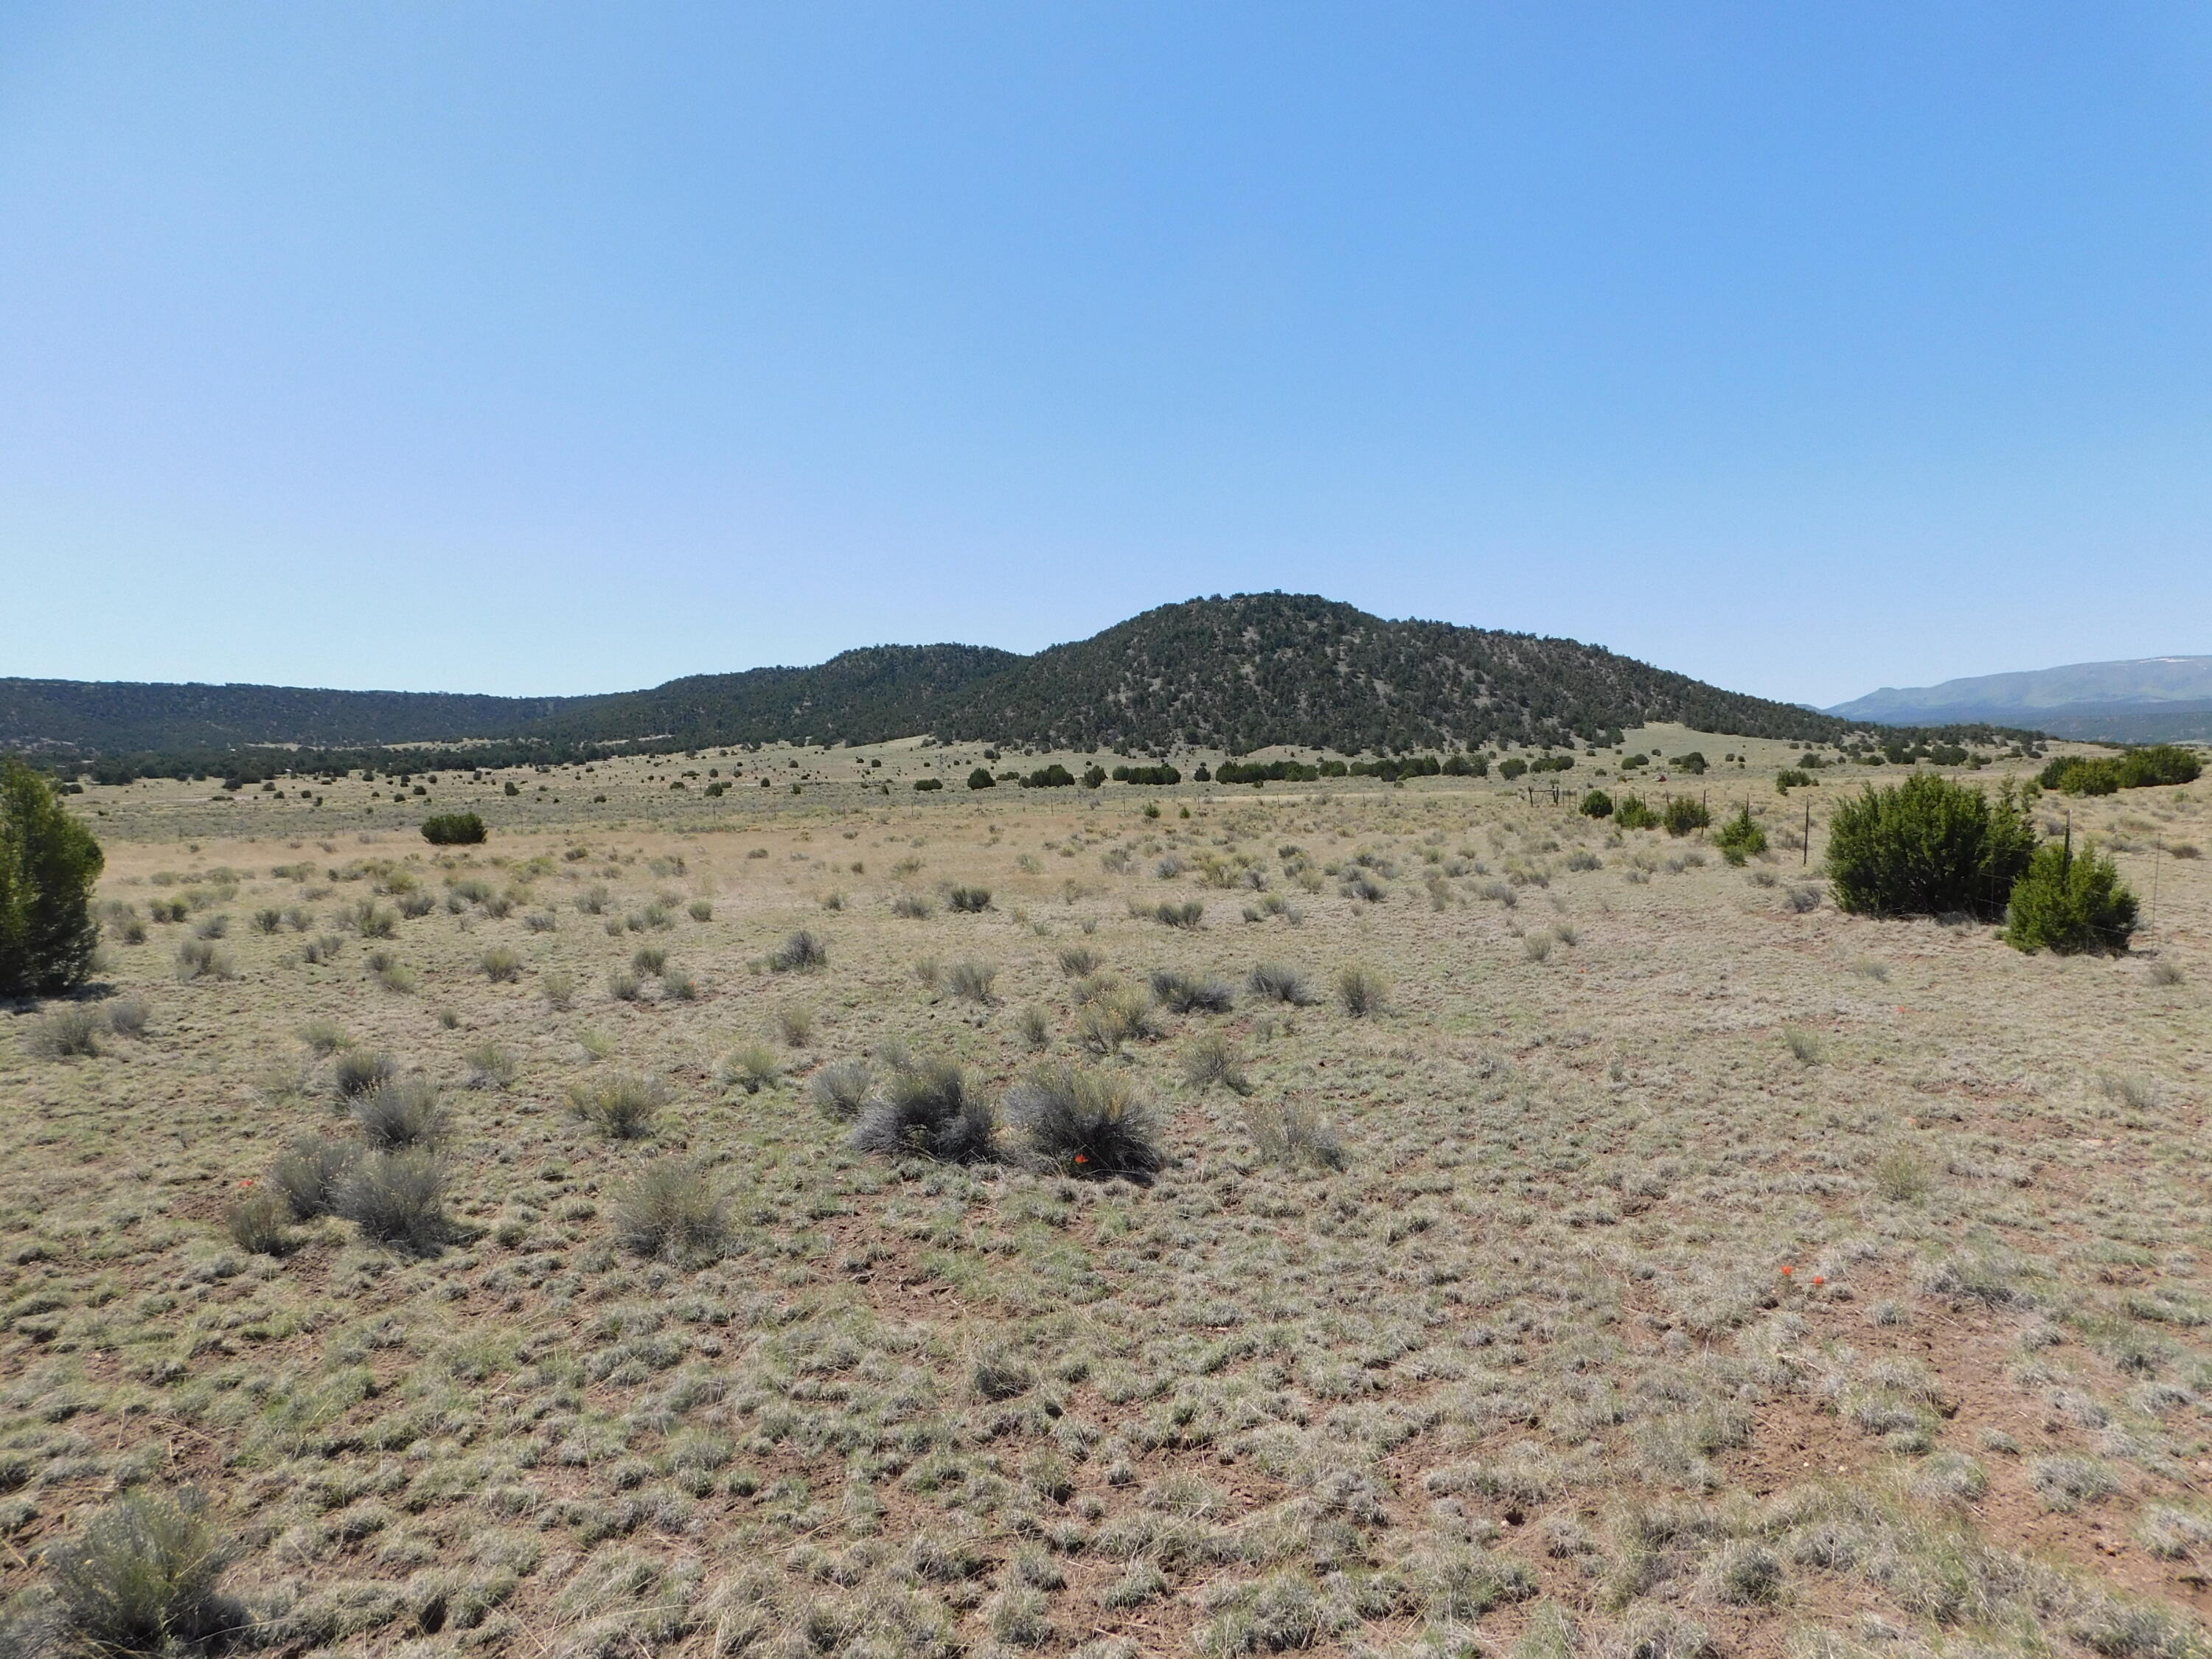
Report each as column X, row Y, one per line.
column 1242, row 672
column 2143, row 700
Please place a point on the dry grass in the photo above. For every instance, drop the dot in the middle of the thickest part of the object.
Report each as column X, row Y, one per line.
column 1464, row 1326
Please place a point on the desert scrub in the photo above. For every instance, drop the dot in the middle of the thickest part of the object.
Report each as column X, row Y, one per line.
column 559, row 990
column 1741, row 837
column 453, row 830
column 1188, row 914
column 968, row 900
column 501, row 964
column 971, row 980
column 398, row 1198
column 2068, row 903
column 1193, row 993
column 401, row 1112
column 65, row 1033
column 490, row 1066
column 913, row 907
column 256, row 1221
column 841, row 1088
column 1293, row 1135
column 928, row 1109
column 143, row 1576
column 621, row 1107
column 1087, row 1123
column 1360, row 990
column 48, row 863
column 309, row 1172
column 1077, row 960
column 1685, row 815
column 1212, row 1059
column 199, row 958
column 753, row 1068
column 671, row 1210
column 1271, row 981
column 802, row 952
column 1929, row 846
column 1115, row 1015
column 357, row 1070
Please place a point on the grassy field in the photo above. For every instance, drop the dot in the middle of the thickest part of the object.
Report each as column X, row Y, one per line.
column 1571, row 1243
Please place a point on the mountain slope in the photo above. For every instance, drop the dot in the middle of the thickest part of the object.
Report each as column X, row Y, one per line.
column 1257, row 669
column 1240, row 673
column 2142, row 699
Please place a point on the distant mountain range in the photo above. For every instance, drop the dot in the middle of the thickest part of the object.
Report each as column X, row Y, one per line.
column 1237, row 673
column 2145, row 700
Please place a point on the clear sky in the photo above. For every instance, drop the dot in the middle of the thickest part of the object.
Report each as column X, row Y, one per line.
column 545, row 348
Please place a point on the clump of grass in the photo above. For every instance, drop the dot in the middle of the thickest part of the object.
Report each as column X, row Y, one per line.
column 1189, row 914
column 144, row 1577
column 795, row 1022
column 1189, row 993
column 1275, row 982
column 358, row 1071
column 971, row 980
column 969, row 901
column 912, row 906
column 677, row 986
column 624, row 986
column 1361, row 992
column 1076, row 960
column 401, row 1112
column 672, row 1210
column 67, row 1032
column 1116, row 1015
column 198, row 958
column 398, row 1198
column 392, row 974
column 1087, row 1123
column 621, row 1107
column 649, row 960
column 930, row 1111
column 559, row 990
column 1803, row 1044
column 753, row 1068
column 802, row 952
column 309, row 1173
column 841, row 1088
column 700, row 910
column 542, row 921
column 2165, row 973
column 126, row 1017
column 491, row 1067
column 1035, row 1026
column 371, row 920
column 501, row 966
column 1214, row 1058
column 1295, row 1136
column 1537, row 946
column 268, row 920
column 256, row 1221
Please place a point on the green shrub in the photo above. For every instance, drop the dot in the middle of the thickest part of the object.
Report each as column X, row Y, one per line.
column 671, row 1210
column 1188, row 914
column 971, row 980
column 2159, row 763
column 453, row 830
column 1741, row 837
column 753, row 1068
column 928, row 784
column 1511, row 768
column 981, row 778
column 1694, row 763
column 621, row 1107
column 1597, row 804
column 1634, row 812
column 1361, row 991
column 1685, row 814
column 2069, row 904
column 256, row 1222
column 1929, row 846
column 1791, row 778
column 142, row 1578
column 48, row 863
column 1089, row 1124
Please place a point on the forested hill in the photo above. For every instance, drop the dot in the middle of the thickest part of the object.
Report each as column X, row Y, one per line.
column 1257, row 669
column 1237, row 673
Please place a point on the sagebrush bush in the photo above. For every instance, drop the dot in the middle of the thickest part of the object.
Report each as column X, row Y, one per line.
column 969, row 901
column 1117, row 1014
column 1212, row 1059
column 1293, row 1134
column 672, row 1210
column 199, row 958
column 620, row 1107
column 1076, row 960
column 143, row 1576
column 66, row 1032
column 357, row 1070
column 309, row 1172
column 401, row 1112
column 1277, row 983
column 1190, row 993
column 2068, row 903
column 398, row 1198
column 1929, row 846
column 1360, row 990
column 753, row 1068
column 256, row 1221
column 912, row 906
column 796, row 1025
column 1089, row 1124
column 1188, row 914
column 48, row 865
column 971, row 980
column 501, row 964
column 841, row 1088
column 929, row 1110
column 800, row 953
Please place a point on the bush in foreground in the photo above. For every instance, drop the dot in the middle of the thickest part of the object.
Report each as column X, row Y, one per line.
column 1741, row 837
column 398, row 1198
column 1361, row 991
column 1929, row 846
column 1597, row 804
column 453, row 830
column 2071, row 904
column 142, row 1577
column 928, row 1110
column 620, row 1108
column 1685, row 814
column 1086, row 1123
column 801, row 953
column 48, row 863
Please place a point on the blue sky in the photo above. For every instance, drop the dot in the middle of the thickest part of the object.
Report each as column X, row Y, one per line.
column 552, row 348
